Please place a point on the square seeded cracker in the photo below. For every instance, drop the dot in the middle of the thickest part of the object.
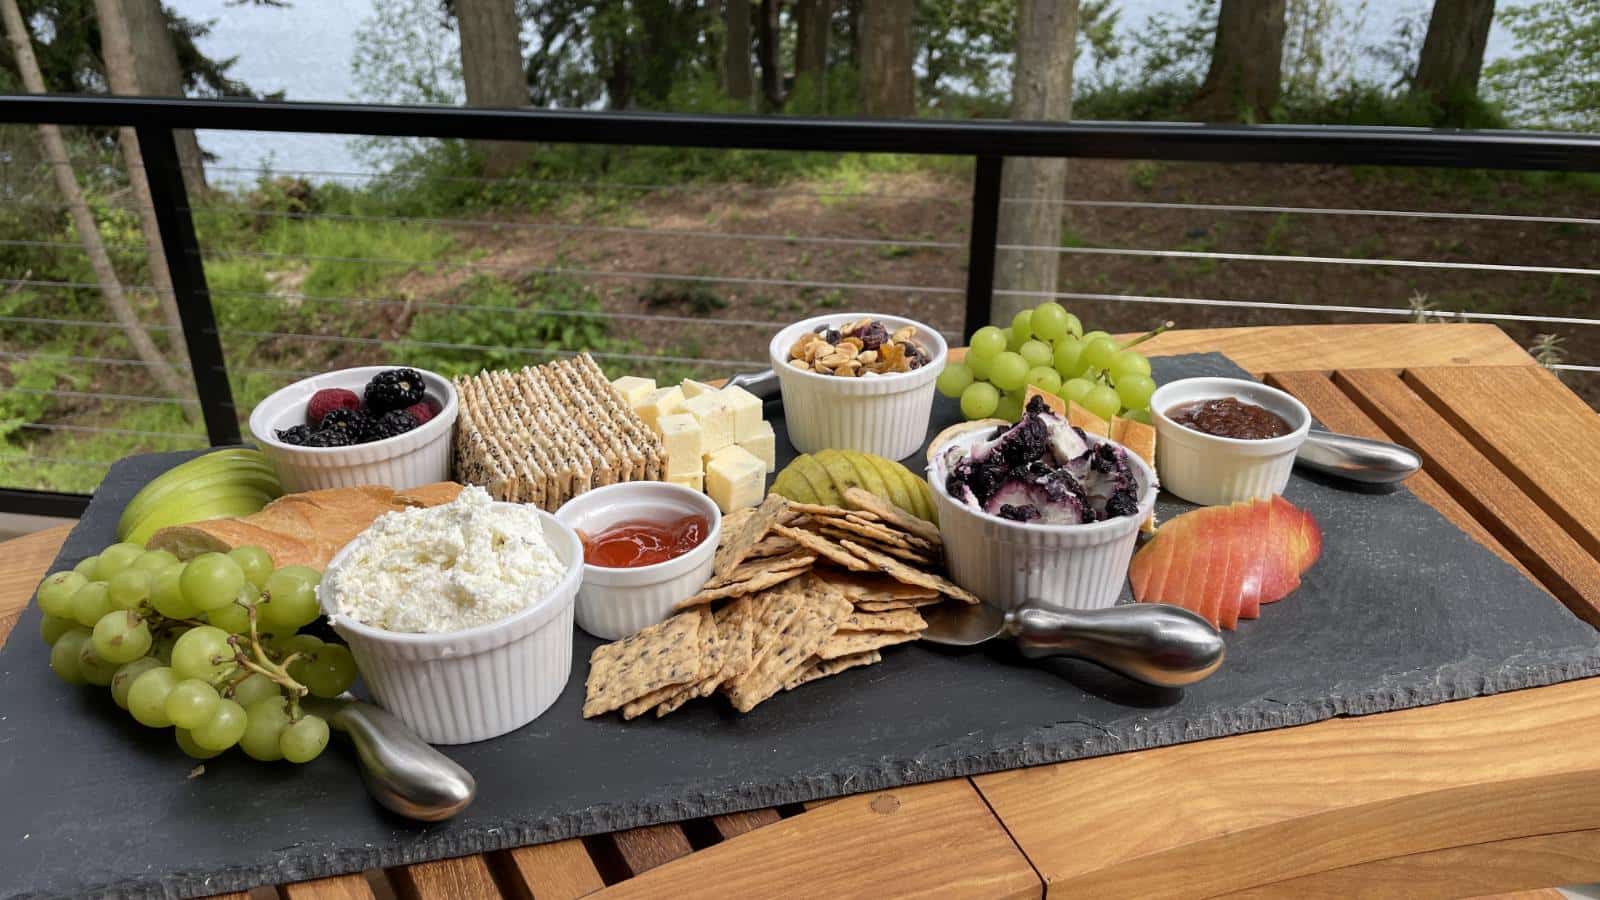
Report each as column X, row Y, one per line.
column 821, row 609
column 822, row 668
column 663, row 655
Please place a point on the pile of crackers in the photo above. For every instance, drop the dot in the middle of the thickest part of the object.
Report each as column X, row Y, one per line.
column 546, row 434
column 798, row 592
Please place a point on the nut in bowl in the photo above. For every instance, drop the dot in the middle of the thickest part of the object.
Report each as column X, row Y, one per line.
column 1226, row 440
column 858, row 381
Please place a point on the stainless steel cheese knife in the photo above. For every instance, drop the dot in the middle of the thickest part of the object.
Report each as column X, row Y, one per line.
column 401, row 771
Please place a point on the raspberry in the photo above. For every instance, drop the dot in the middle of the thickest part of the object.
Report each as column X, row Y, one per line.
column 394, row 389
column 422, row 412
column 327, row 400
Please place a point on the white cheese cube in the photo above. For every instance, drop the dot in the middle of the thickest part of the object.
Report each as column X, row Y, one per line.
column 761, row 445
column 715, row 418
column 694, row 481
column 735, row 479
column 658, row 403
column 633, row 388
column 746, row 412
column 680, row 438
column 693, row 389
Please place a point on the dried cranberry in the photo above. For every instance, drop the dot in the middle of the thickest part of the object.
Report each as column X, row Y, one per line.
column 872, row 335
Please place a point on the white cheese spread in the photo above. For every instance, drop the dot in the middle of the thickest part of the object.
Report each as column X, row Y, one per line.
column 466, row 563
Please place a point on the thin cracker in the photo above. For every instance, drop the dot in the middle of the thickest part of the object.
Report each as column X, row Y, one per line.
column 664, row 654
column 821, row 609
column 849, row 643
column 822, row 668
column 905, row 574
column 822, row 547
column 866, row 501
column 741, row 588
column 894, row 620
column 736, row 542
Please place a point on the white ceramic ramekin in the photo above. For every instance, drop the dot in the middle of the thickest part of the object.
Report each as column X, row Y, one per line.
column 614, row 603
column 886, row 415
column 1215, row 471
column 1009, row 563
column 477, row 683
column 420, row 456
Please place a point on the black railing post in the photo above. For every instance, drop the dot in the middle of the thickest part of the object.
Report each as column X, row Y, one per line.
column 984, row 234
column 163, row 170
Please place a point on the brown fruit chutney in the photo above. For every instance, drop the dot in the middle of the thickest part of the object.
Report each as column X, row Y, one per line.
column 1230, row 418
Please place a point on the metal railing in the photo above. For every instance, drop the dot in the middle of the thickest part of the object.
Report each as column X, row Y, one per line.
column 989, row 143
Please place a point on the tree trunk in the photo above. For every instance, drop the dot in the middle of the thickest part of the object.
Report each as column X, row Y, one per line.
column 55, row 151
column 888, row 85
column 769, row 52
column 1246, row 63
column 1452, row 55
column 741, row 78
column 156, row 69
column 1041, row 89
column 491, row 66
column 813, row 21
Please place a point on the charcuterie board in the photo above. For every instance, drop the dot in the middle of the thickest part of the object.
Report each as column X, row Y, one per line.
column 1402, row 610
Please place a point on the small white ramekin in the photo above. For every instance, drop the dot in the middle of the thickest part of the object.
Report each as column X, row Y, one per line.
column 477, row 683
column 1010, row 563
column 885, row 415
column 418, row 457
column 614, row 603
column 1215, row 471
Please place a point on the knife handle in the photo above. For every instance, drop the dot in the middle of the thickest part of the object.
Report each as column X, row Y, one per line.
column 1357, row 458
column 1165, row 646
column 402, row 772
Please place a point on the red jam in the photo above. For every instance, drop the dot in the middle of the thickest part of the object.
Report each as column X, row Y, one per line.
column 628, row 545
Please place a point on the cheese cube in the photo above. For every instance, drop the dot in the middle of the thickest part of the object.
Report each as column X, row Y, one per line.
column 694, row 481
column 693, row 389
column 658, row 403
column 735, row 479
column 633, row 388
column 746, row 412
column 761, row 445
column 715, row 418
column 680, row 438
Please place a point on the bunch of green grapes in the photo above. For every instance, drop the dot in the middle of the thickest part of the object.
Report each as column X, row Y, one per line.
column 1047, row 348
column 209, row 647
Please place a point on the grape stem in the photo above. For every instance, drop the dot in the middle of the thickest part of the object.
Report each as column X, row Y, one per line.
column 1165, row 326
column 278, row 673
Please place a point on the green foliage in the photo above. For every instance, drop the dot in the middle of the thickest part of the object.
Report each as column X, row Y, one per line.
column 506, row 326
column 1554, row 80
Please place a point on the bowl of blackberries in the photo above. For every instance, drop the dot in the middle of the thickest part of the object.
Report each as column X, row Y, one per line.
column 388, row 425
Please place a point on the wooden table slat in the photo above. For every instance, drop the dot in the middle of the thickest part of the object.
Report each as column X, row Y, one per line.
column 557, row 871
column 645, row 848
column 1282, row 348
column 461, row 878
column 26, row 559
column 341, row 887
column 734, row 824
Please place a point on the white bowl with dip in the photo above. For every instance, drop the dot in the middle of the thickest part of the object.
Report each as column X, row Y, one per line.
column 1214, row 471
column 456, row 687
column 616, row 602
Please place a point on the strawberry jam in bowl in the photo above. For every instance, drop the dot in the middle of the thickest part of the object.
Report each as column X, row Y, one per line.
column 647, row 545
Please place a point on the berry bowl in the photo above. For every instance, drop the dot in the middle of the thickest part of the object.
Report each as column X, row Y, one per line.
column 412, row 458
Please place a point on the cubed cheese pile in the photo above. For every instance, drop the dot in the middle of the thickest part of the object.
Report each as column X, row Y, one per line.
column 714, row 438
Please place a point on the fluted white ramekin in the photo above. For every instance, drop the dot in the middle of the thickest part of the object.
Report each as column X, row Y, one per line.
column 477, row 683
column 1215, row 471
column 614, row 603
column 1010, row 563
column 418, row 457
column 886, row 415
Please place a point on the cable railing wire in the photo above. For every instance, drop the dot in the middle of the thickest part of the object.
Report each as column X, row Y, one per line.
column 544, row 351
column 97, row 395
column 1327, row 260
column 125, row 432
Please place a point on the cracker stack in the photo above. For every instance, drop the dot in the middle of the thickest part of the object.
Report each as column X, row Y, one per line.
column 548, row 433
column 798, row 592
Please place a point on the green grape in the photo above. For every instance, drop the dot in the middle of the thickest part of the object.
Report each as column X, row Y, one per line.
column 255, row 562
column 307, row 645
column 1102, row 401
column 954, row 379
column 1128, row 362
column 86, row 567
column 978, row 400
column 235, row 617
column 1014, row 342
column 986, row 342
column 166, row 594
column 979, row 366
column 123, row 679
column 1009, row 407
column 211, row 581
column 51, row 628
column 1099, row 352
column 1074, row 327
column 1009, row 371
column 129, row 588
column 92, row 601
column 1135, row 390
column 1068, row 358
column 202, row 652
column 153, row 561
column 147, row 696
column 1086, row 338
column 55, row 593
column 1074, row 390
column 331, row 673
column 187, row 744
column 265, row 723
column 303, row 740
column 224, row 729
column 115, row 558
column 64, row 655
column 192, row 703
column 1138, row 415
column 94, row 668
column 1049, row 321
column 291, row 599
column 1045, row 379
column 1037, row 353
column 1022, row 326
column 121, row 637
column 255, row 688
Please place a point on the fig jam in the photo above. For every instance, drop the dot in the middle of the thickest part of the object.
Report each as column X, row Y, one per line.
column 635, row 543
column 1230, row 418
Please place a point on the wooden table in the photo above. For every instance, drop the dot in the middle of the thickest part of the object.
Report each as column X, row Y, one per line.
column 1488, row 795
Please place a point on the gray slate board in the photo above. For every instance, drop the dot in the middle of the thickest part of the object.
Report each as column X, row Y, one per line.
column 1402, row 610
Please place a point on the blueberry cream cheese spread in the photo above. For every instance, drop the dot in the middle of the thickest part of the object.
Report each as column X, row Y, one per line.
column 1042, row 470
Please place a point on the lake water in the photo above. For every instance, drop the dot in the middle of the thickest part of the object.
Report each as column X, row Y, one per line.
column 305, row 51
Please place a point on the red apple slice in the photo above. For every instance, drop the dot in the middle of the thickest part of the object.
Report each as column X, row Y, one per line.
column 1223, row 584
column 1195, row 584
column 1250, row 543
column 1149, row 567
column 1282, row 573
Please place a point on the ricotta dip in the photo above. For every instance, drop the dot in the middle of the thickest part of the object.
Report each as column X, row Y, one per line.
column 465, row 563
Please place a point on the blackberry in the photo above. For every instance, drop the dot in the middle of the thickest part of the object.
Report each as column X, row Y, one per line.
column 1024, row 513
column 394, row 389
column 330, row 437
column 1122, row 503
column 299, row 435
column 353, row 421
column 393, row 423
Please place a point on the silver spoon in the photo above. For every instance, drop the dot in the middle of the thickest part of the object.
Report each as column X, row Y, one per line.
column 402, row 772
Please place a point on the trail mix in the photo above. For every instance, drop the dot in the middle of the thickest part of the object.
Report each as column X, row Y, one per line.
column 861, row 348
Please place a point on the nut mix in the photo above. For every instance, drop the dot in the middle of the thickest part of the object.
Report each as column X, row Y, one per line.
column 861, row 348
